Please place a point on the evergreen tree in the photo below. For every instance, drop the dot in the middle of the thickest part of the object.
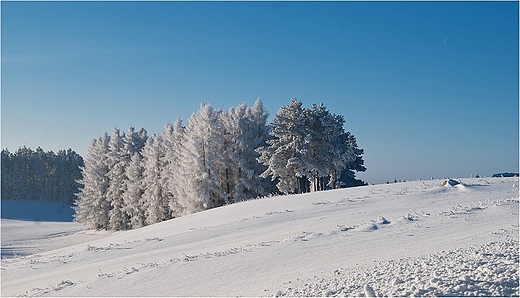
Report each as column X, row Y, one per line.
column 8, row 175
column 132, row 207
column 347, row 178
column 284, row 152
column 200, row 156
column 55, row 170
column 156, row 202
column 39, row 174
column 328, row 154
column 134, row 141
column 74, row 162
column 173, row 138
column 259, row 135
column 63, row 174
column 229, row 166
column 250, row 133
column 34, row 174
column 309, row 149
column 133, row 197
column 23, row 167
column 118, row 159
column 92, row 206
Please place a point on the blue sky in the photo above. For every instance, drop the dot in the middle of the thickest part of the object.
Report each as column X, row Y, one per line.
column 429, row 89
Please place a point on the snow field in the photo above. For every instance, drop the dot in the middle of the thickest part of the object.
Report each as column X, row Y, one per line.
column 485, row 270
column 415, row 238
column 22, row 238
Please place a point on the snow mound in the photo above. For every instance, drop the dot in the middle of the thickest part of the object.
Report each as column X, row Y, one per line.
column 368, row 226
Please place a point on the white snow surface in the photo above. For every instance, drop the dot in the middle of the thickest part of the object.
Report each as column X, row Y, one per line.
column 408, row 239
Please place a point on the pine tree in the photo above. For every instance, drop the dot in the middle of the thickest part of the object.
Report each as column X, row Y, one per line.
column 39, row 174
column 347, row 177
column 7, row 187
column 250, row 134
column 309, row 149
column 29, row 174
column 173, row 137
column 258, row 137
column 328, row 153
column 284, row 152
column 63, row 175
column 156, row 202
column 229, row 165
column 92, row 206
column 24, row 170
column 133, row 197
column 117, row 159
column 134, row 141
column 200, row 156
column 53, row 164
column 74, row 162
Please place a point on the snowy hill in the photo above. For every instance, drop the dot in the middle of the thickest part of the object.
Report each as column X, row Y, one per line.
column 414, row 238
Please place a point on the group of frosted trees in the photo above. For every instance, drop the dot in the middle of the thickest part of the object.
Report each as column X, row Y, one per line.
column 131, row 180
column 40, row 175
column 309, row 150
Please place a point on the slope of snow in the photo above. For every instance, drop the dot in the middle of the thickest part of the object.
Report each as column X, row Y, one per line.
column 21, row 238
column 414, row 238
column 30, row 226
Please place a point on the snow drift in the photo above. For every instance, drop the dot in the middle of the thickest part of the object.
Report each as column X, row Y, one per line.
column 415, row 238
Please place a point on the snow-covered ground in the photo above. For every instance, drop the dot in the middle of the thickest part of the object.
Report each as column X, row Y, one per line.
column 414, row 238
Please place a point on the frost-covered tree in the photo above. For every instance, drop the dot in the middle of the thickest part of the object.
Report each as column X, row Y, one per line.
column 348, row 177
column 309, row 149
column 248, row 132
column 169, row 160
column 173, row 137
column 200, row 157
column 134, row 141
column 258, row 137
column 133, row 197
column 92, row 207
column 284, row 153
column 156, row 202
column 132, row 203
column 117, row 159
column 329, row 154
column 229, row 166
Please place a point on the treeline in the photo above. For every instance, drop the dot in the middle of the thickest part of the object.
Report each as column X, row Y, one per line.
column 40, row 175
column 131, row 180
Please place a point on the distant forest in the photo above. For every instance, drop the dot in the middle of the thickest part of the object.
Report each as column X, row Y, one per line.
column 40, row 175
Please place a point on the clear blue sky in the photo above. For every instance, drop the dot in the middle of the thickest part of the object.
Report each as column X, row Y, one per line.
column 429, row 89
